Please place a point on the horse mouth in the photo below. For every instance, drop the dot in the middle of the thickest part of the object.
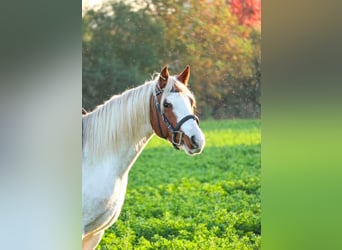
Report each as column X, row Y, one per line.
column 193, row 151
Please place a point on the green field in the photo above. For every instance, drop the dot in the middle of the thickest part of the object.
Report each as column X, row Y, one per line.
column 210, row 201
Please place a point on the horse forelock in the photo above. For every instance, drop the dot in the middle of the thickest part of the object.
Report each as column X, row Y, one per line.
column 174, row 85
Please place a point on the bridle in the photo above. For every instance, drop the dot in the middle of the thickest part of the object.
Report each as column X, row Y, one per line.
column 174, row 130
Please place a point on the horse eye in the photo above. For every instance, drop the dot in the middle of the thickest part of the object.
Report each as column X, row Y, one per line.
column 167, row 105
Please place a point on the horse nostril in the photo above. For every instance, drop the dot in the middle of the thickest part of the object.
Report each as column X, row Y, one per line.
column 193, row 142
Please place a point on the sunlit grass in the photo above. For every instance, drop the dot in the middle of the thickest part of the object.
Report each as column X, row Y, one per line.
column 210, row 201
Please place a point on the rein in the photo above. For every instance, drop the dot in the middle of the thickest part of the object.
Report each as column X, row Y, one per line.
column 174, row 130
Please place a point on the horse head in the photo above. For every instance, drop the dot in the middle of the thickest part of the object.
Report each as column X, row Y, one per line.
column 172, row 112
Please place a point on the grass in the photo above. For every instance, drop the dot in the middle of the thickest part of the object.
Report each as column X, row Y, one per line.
column 210, row 201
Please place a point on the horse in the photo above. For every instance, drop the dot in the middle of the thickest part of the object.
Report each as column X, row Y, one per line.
column 115, row 133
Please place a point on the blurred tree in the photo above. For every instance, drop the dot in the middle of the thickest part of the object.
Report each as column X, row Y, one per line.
column 121, row 48
column 247, row 11
column 207, row 35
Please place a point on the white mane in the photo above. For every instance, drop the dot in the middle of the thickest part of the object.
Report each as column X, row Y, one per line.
column 105, row 128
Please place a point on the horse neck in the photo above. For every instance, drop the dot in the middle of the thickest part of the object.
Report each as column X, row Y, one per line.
column 120, row 124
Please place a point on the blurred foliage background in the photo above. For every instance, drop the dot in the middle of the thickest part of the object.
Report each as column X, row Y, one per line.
column 125, row 42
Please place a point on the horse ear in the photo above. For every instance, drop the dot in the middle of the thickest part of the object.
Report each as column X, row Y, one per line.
column 164, row 75
column 184, row 76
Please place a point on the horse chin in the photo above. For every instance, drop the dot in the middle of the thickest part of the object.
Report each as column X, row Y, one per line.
column 191, row 152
